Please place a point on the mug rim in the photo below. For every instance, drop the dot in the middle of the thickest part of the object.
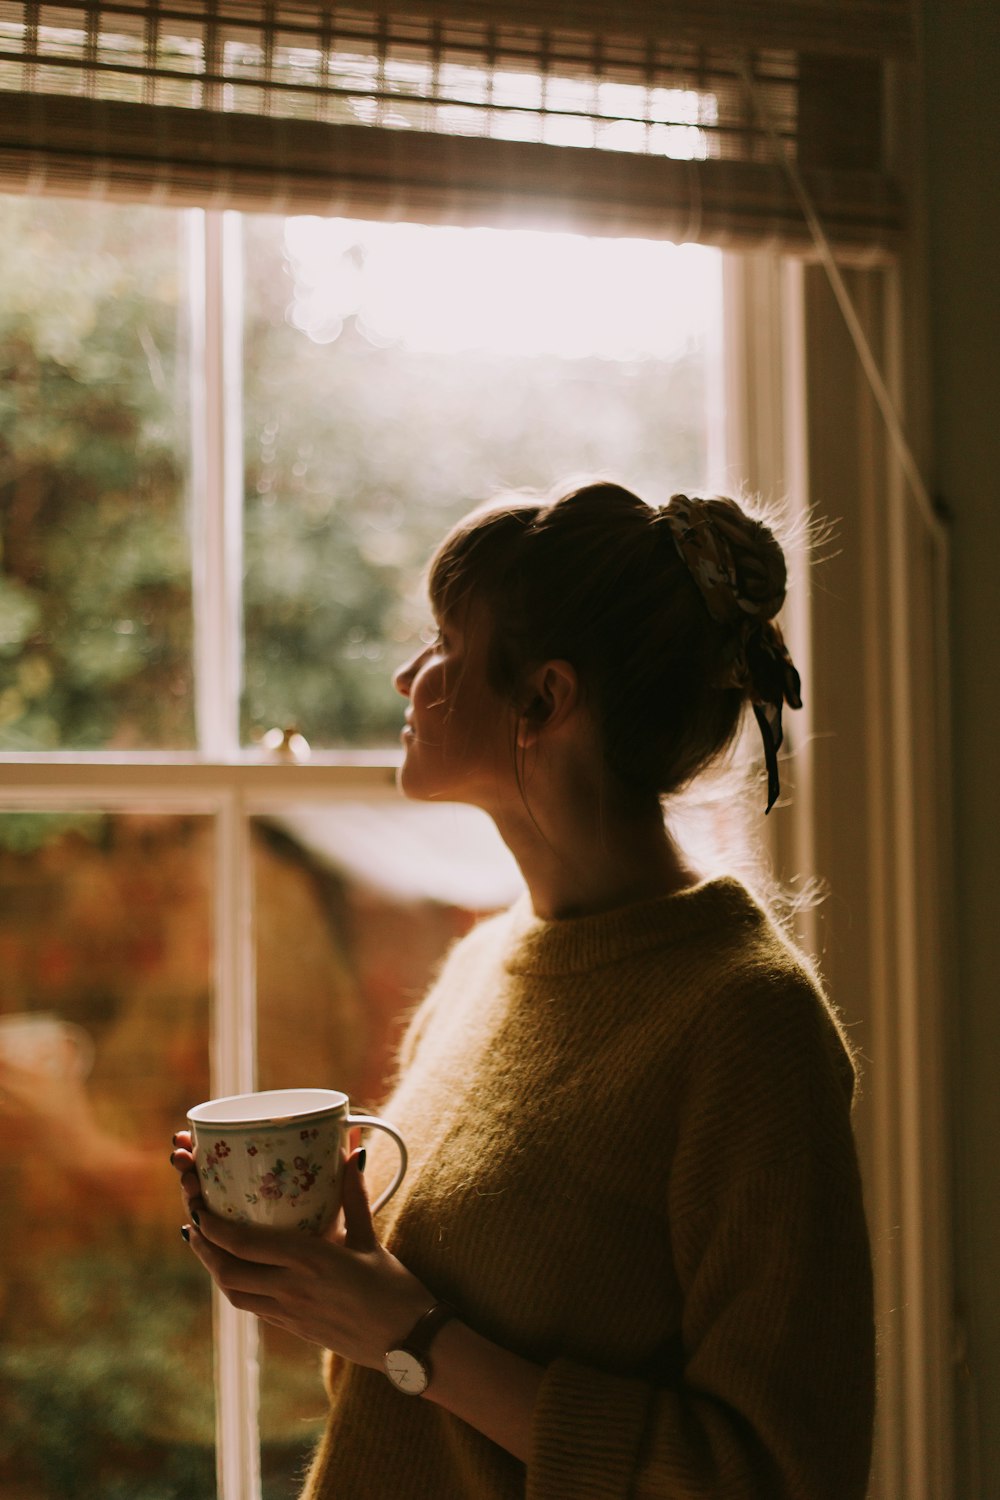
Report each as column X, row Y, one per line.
column 327, row 1102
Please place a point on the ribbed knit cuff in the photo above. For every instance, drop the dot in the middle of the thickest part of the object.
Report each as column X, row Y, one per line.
column 586, row 1435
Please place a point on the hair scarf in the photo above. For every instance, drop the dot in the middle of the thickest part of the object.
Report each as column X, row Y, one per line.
column 759, row 664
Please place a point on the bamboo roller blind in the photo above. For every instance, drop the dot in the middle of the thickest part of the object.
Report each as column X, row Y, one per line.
column 627, row 118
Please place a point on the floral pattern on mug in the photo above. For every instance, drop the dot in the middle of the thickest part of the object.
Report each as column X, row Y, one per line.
column 254, row 1172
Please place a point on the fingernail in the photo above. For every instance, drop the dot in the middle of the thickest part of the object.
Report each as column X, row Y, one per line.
column 172, row 1156
column 362, row 1158
column 173, row 1140
column 185, row 1234
column 196, row 1219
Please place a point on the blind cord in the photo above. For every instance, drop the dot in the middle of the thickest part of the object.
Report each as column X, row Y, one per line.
column 866, row 356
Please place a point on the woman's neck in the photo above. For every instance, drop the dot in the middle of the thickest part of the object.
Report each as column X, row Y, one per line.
column 580, row 861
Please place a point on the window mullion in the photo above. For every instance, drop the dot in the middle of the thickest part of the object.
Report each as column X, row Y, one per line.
column 234, row 1072
column 217, row 522
column 217, row 479
column 218, row 563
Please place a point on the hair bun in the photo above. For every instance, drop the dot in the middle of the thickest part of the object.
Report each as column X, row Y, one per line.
column 757, row 556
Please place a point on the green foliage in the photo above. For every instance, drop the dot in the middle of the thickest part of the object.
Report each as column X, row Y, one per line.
column 27, row 832
column 98, row 1393
column 95, row 612
column 356, row 459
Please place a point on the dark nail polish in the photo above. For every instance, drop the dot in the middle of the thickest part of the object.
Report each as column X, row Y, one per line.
column 362, row 1158
column 172, row 1156
column 185, row 1234
column 196, row 1218
column 173, row 1140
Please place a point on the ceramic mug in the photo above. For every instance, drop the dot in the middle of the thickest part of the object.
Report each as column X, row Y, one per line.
column 276, row 1158
column 43, row 1043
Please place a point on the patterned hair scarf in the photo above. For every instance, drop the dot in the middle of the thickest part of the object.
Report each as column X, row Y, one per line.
column 759, row 664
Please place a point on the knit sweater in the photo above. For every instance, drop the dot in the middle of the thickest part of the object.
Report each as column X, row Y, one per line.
column 631, row 1162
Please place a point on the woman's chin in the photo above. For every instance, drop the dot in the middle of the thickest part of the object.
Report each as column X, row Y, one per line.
column 408, row 781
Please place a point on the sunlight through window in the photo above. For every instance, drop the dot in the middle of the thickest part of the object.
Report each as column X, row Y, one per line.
column 525, row 293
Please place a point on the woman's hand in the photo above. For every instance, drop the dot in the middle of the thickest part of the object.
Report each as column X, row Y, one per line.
column 182, row 1161
column 348, row 1293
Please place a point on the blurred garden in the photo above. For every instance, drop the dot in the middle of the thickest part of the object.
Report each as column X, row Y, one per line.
column 360, row 444
column 357, row 455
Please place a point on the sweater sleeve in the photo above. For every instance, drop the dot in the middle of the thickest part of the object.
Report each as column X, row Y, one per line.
column 774, row 1395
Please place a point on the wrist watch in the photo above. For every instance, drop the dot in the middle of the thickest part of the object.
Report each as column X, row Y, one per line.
column 406, row 1363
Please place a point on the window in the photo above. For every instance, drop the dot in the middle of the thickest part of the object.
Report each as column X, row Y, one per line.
column 226, row 445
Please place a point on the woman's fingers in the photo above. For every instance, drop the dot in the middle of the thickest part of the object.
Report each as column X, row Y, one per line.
column 183, row 1163
column 269, row 1247
column 359, row 1232
column 194, row 1203
column 351, row 1296
column 292, row 1296
column 235, row 1276
column 181, row 1160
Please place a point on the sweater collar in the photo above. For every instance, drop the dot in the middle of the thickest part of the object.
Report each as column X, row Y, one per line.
column 577, row 944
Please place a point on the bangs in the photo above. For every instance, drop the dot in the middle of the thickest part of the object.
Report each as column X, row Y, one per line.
column 479, row 556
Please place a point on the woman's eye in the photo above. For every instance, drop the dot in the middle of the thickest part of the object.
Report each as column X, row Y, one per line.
column 430, row 635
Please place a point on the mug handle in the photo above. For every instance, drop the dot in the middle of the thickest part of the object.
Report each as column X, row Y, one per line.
column 372, row 1122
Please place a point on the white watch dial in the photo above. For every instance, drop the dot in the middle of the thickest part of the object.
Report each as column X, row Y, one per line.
column 406, row 1371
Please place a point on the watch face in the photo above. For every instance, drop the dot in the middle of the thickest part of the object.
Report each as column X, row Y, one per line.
column 406, row 1371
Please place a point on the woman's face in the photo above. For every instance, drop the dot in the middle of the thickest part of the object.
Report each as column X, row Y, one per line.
column 458, row 734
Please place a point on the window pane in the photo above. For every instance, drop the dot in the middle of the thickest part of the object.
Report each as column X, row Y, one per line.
column 95, row 587
column 396, row 374
column 105, row 1316
column 355, row 904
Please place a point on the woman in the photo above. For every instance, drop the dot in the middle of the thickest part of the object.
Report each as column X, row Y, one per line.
column 630, row 1256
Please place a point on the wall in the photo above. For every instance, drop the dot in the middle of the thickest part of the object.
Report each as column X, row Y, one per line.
column 962, row 136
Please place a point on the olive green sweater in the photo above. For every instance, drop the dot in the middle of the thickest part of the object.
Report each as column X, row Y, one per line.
column 631, row 1162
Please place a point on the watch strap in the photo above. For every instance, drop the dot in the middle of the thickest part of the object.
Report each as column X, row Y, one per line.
column 426, row 1328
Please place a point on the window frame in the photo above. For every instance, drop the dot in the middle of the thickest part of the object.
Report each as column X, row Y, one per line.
column 865, row 613
column 869, row 815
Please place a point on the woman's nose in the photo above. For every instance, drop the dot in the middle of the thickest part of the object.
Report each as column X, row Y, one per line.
column 403, row 676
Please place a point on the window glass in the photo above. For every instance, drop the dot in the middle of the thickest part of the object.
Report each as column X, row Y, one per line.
column 95, row 586
column 105, row 1317
column 395, row 374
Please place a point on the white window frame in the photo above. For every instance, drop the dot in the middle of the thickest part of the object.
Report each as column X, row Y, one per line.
column 780, row 342
column 869, row 814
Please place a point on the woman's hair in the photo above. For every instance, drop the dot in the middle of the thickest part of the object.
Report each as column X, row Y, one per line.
column 600, row 579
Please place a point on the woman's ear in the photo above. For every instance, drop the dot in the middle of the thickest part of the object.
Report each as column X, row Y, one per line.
column 552, row 693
